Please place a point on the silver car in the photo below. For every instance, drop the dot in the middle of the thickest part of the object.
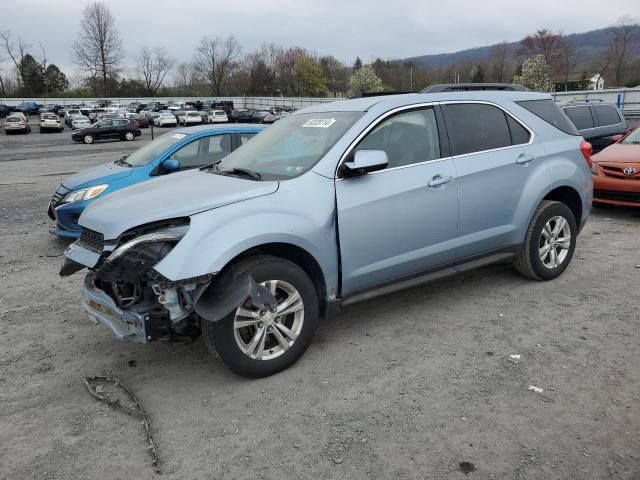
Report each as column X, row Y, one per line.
column 332, row 205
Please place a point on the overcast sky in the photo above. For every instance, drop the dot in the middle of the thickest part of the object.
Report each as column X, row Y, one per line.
column 345, row 29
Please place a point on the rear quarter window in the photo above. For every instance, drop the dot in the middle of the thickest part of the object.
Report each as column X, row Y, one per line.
column 607, row 115
column 548, row 111
column 580, row 116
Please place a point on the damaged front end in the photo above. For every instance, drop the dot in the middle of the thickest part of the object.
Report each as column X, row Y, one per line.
column 123, row 291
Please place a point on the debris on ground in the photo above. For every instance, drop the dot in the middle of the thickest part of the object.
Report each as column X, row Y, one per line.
column 467, row 467
column 95, row 386
column 535, row 389
column 515, row 356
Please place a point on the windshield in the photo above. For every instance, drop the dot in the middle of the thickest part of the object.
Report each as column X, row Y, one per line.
column 633, row 137
column 292, row 146
column 151, row 150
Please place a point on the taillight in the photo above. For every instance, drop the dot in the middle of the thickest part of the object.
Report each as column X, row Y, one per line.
column 587, row 150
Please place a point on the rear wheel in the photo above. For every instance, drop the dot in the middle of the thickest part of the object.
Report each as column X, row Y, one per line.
column 255, row 343
column 549, row 243
column 128, row 136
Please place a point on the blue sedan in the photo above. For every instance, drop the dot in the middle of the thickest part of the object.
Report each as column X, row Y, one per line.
column 177, row 150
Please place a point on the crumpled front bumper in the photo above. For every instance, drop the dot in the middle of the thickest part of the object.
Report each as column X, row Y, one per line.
column 125, row 324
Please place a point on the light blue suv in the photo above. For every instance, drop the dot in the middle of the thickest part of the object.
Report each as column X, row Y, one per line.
column 332, row 205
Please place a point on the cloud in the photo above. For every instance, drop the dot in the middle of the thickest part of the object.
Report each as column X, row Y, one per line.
column 345, row 29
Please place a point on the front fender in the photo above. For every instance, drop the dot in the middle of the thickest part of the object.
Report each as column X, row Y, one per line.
column 217, row 236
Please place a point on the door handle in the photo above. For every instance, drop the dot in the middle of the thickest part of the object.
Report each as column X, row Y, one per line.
column 524, row 159
column 439, row 180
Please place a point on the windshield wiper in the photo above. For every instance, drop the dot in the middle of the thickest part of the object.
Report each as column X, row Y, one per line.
column 210, row 166
column 242, row 172
column 123, row 161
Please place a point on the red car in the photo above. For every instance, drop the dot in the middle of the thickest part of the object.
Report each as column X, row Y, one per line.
column 616, row 172
column 142, row 120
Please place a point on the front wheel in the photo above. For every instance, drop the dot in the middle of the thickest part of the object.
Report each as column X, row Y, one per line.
column 88, row 139
column 255, row 343
column 549, row 243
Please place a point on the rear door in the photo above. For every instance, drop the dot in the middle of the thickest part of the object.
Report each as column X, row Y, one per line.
column 494, row 155
column 400, row 222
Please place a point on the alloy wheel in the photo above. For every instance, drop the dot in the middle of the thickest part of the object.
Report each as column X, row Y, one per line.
column 265, row 335
column 555, row 241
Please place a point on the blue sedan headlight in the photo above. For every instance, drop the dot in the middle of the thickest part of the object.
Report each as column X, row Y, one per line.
column 84, row 194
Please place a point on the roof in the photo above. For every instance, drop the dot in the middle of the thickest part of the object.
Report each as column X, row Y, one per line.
column 391, row 101
column 233, row 127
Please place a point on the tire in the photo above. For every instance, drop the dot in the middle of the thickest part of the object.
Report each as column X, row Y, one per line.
column 88, row 139
column 128, row 136
column 533, row 262
column 222, row 338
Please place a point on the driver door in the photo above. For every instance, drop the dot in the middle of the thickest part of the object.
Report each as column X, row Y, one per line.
column 203, row 151
column 400, row 222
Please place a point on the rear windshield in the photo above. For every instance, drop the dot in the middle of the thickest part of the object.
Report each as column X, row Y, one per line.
column 548, row 111
column 13, row 119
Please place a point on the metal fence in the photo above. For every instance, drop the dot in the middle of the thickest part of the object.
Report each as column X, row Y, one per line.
column 627, row 99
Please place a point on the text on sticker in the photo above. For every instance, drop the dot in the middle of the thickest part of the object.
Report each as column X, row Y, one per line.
column 319, row 123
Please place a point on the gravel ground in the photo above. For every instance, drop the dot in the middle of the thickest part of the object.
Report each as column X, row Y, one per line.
column 418, row 385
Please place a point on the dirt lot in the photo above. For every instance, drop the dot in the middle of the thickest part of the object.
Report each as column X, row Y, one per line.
column 407, row 386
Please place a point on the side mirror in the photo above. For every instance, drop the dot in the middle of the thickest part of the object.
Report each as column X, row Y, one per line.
column 617, row 138
column 365, row 161
column 170, row 165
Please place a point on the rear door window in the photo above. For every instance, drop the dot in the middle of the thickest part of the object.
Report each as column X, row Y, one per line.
column 519, row 134
column 245, row 137
column 580, row 116
column 476, row 127
column 607, row 115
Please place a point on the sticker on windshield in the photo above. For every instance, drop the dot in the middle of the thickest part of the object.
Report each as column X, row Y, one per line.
column 178, row 136
column 319, row 123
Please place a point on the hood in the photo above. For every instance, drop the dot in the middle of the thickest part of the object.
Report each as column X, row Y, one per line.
column 170, row 196
column 94, row 176
column 619, row 152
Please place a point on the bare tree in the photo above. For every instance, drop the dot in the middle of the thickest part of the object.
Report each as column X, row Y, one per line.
column 16, row 49
column 624, row 34
column 98, row 49
column 566, row 60
column 498, row 61
column 215, row 60
column 544, row 42
column 185, row 76
column 153, row 66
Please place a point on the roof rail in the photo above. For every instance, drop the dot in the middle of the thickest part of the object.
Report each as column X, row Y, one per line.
column 376, row 94
column 587, row 100
column 471, row 87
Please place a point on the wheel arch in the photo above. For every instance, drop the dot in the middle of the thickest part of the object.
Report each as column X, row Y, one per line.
column 297, row 255
column 570, row 197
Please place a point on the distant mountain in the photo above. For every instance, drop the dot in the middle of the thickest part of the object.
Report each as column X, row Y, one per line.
column 590, row 47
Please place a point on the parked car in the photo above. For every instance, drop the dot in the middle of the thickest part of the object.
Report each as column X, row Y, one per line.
column 181, row 149
column 27, row 108
column 335, row 204
column 263, row 116
column 598, row 122
column 174, row 106
column 108, row 129
column 616, row 172
column 80, row 121
column 217, row 116
column 190, row 117
column 141, row 120
column 4, row 110
column 16, row 122
column 242, row 116
column 50, row 121
column 69, row 113
column 166, row 120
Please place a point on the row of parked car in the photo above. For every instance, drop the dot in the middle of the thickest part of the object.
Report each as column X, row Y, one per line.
column 277, row 227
